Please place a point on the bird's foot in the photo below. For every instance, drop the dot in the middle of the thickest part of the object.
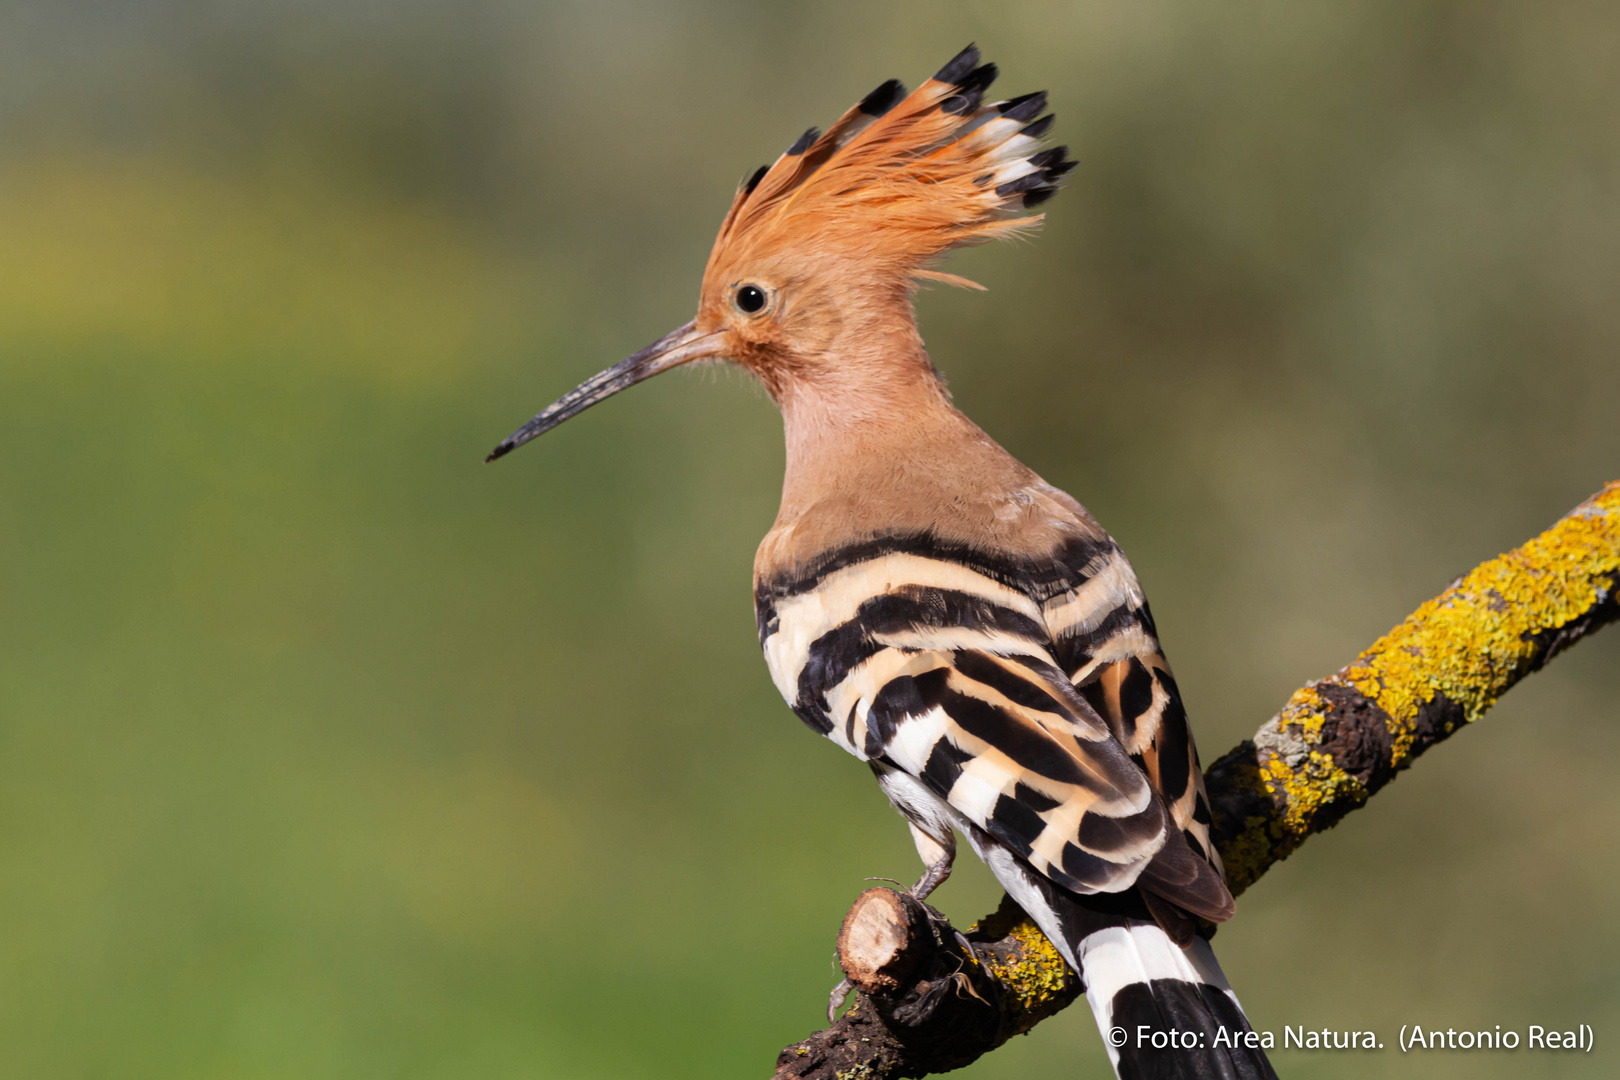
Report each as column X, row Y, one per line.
column 840, row 992
column 941, row 926
column 932, row 879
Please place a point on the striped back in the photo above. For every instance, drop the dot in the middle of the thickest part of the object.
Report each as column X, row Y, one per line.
column 941, row 660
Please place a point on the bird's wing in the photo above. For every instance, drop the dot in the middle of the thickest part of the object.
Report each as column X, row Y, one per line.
column 1105, row 641
column 934, row 666
column 1006, row 745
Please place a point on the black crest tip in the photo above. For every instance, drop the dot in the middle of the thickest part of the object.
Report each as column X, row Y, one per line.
column 1025, row 107
column 883, row 99
column 1040, row 127
column 804, row 142
column 979, row 78
column 1027, row 182
column 753, row 181
column 1053, row 156
column 970, row 91
column 959, row 65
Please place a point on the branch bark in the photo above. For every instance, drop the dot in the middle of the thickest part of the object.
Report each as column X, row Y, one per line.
column 927, row 1006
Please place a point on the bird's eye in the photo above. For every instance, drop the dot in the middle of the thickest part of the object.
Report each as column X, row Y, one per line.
column 750, row 299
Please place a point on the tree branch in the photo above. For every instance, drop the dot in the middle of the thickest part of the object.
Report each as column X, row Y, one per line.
column 1339, row 740
column 926, row 1005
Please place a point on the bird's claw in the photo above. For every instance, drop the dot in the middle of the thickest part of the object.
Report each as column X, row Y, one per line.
column 932, row 879
column 967, row 946
column 840, row 992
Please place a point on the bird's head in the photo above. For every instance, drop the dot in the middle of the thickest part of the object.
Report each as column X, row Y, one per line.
column 810, row 278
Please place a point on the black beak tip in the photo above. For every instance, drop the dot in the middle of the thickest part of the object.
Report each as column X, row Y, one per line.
column 499, row 452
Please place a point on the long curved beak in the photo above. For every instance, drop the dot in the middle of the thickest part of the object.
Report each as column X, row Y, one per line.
column 672, row 350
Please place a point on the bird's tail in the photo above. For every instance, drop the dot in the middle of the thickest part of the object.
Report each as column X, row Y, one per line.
column 1165, row 1011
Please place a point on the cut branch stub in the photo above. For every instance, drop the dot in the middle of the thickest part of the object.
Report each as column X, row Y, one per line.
column 875, row 944
column 925, row 1005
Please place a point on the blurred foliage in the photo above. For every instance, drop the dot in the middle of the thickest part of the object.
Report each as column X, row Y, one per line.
column 326, row 751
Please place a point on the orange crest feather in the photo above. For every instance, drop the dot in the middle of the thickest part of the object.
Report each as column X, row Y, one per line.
column 900, row 179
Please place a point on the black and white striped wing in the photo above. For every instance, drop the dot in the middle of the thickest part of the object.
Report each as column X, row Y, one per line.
column 1106, row 642
column 938, row 669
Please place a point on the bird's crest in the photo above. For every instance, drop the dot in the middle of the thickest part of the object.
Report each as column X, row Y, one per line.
column 901, row 178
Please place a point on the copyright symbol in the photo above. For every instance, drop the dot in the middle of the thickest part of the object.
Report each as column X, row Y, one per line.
column 1116, row 1036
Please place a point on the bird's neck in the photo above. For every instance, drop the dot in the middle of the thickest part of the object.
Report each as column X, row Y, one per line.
column 857, row 414
column 875, row 446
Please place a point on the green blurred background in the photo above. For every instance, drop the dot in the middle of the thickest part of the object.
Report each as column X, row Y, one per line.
column 326, row 751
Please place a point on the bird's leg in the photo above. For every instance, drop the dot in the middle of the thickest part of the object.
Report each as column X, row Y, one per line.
column 937, row 855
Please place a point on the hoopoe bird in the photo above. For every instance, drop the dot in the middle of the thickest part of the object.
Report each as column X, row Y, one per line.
column 928, row 602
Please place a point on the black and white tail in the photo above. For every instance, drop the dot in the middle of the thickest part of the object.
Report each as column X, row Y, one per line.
column 1165, row 1011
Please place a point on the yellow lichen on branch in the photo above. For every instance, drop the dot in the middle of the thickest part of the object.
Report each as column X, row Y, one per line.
column 1339, row 740
column 1034, row 972
column 1482, row 635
